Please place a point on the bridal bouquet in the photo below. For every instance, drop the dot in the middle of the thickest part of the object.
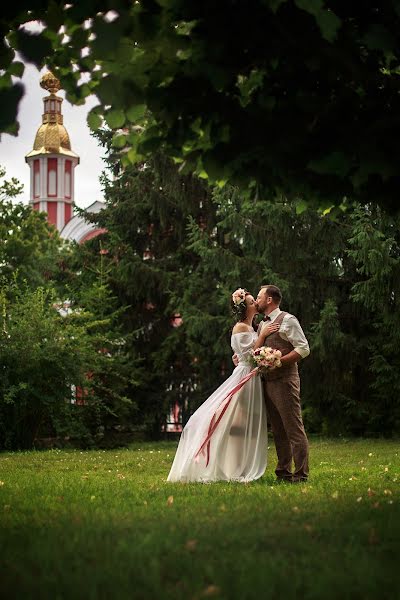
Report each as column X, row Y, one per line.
column 266, row 358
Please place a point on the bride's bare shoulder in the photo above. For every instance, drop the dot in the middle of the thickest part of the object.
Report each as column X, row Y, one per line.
column 241, row 328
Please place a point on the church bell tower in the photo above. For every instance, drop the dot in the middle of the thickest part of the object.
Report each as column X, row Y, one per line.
column 52, row 162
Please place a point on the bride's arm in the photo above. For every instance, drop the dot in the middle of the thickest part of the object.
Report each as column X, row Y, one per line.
column 238, row 328
column 264, row 333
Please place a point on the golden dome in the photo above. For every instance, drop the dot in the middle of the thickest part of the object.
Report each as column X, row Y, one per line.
column 52, row 137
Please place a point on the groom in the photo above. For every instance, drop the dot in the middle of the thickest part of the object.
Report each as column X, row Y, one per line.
column 282, row 387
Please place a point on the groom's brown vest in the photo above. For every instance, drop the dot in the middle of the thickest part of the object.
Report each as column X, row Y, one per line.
column 277, row 343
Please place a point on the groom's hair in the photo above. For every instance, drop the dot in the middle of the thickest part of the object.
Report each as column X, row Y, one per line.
column 274, row 292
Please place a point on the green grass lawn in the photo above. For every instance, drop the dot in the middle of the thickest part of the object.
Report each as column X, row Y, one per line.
column 105, row 524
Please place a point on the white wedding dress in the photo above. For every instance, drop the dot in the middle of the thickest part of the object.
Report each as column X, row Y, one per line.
column 237, row 449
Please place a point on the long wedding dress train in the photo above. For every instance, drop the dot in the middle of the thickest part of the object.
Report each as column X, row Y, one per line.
column 238, row 446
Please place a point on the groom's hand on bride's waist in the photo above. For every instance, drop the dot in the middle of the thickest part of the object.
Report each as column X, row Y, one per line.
column 235, row 360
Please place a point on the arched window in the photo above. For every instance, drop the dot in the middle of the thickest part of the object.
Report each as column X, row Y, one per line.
column 67, row 179
column 52, row 177
column 36, row 178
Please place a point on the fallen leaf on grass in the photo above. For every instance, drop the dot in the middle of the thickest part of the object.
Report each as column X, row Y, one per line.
column 335, row 495
column 295, row 509
column 370, row 492
column 211, row 590
column 170, row 500
column 120, row 476
column 191, row 545
column 387, row 492
column 1, row 483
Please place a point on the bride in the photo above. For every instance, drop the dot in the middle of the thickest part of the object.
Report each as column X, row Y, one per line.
column 226, row 438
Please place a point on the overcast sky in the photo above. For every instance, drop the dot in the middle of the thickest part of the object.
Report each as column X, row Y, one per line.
column 13, row 149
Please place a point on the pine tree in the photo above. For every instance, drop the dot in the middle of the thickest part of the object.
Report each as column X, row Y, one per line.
column 375, row 247
column 148, row 208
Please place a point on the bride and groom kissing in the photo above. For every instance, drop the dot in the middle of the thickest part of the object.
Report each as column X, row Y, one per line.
column 226, row 438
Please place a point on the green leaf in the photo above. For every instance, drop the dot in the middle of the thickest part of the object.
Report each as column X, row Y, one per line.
column 17, row 69
column 327, row 21
column 311, row 6
column 329, row 24
column 133, row 156
column 125, row 162
column 221, row 183
column 119, row 141
column 335, row 163
column 35, row 48
column 84, row 90
column 301, row 206
column 248, row 84
column 79, row 37
column 108, row 37
column 185, row 27
column 110, row 90
column 5, row 81
column 327, row 210
column 135, row 113
column 7, row 54
column 9, row 101
column 94, row 120
column 115, row 118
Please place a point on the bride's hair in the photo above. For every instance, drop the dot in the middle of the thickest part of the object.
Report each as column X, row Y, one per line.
column 239, row 311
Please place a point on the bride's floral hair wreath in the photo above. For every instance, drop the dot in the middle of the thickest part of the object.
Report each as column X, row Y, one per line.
column 238, row 304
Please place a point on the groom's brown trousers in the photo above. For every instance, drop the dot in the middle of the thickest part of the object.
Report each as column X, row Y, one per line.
column 282, row 398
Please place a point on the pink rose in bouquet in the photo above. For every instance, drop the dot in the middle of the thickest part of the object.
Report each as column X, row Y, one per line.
column 266, row 358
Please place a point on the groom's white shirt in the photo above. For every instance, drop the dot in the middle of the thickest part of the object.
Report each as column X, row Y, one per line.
column 291, row 331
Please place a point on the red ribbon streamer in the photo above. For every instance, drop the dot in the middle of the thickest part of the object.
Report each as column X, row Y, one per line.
column 214, row 423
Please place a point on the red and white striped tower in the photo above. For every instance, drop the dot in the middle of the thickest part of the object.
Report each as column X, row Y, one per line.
column 52, row 162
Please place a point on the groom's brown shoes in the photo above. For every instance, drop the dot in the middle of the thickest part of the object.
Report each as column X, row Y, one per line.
column 291, row 480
